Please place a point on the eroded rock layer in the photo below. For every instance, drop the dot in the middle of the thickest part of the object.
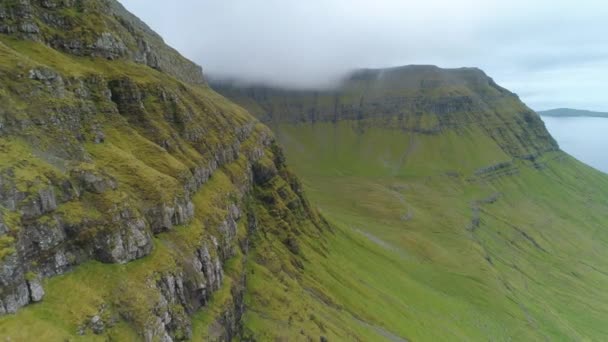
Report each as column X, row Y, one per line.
column 115, row 154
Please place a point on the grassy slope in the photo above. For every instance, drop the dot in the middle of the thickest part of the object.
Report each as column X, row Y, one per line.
column 407, row 260
column 277, row 290
column 401, row 262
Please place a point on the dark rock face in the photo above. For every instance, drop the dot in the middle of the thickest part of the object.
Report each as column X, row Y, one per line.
column 184, row 293
column 93, row 181
column 129, row 242
column 15, row 293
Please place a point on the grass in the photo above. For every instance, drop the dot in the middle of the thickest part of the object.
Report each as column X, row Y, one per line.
column 415, row 249
column 531, row 270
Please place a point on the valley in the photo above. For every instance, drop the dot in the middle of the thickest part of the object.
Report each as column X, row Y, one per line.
column 142, row 201
column 482, row 232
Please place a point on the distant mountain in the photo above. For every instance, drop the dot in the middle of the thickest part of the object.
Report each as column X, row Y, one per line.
column 471, row 210
column 568, row 112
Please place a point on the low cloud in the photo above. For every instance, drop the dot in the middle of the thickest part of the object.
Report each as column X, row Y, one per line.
column 553, row 53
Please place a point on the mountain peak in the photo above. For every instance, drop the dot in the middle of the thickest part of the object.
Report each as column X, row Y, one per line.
column 424, row 76
column 103, row 29
column 415, row 70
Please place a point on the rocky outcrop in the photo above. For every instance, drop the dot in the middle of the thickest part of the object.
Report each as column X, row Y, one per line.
column 129, row 242
column 495, row 171
column 15, row 294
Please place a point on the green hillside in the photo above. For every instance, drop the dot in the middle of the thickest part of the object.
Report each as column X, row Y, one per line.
column 137, row 204
column 457, row 216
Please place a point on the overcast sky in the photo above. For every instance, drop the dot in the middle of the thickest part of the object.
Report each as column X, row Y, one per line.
column 553, row 53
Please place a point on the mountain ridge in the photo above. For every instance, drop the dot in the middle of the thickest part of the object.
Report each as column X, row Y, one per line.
column 417, row 98
column 463, row 189
column 569, row 112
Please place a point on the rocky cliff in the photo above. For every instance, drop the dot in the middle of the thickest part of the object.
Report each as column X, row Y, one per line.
column 419, row 99
column 114, row 150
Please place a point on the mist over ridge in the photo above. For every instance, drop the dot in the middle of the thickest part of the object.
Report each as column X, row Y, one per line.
column 551, row 53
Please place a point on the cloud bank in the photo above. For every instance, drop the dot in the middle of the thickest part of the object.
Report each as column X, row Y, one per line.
column 552, row 53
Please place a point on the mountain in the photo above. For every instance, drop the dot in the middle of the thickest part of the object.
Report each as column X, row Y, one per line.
column 567, row 112
column 417, row 99
column 457, row 215
column 135, row 202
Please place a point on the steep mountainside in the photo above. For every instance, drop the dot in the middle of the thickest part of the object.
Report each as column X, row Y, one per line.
column 568, row 112
column 469, row 222
column 134, row 200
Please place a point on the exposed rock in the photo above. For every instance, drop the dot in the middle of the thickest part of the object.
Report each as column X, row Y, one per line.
column 493, row 168
column 94, row 181
column 45, row 75
column 49, row 4
column 263, row 171
column 100, row 137
column 36, row 290
column 48, row 202
column 97, row 325
column 15, row 299
column 130, row 240
column 3, row 227
column 109, row 46
column 131, row 38
column 163, row 217
column 41, row 203
column 42, row 236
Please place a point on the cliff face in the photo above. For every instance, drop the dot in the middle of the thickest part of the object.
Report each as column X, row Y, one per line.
column 114, row 150
column 419, row 99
